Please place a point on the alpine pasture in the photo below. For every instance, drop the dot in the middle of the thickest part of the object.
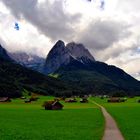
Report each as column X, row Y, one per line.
column 76, row 121
column 29, row 121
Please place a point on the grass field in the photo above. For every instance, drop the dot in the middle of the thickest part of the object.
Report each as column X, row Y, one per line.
column 127, row 116
column 20, row 121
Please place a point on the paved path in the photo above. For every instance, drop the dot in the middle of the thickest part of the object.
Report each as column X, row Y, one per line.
column 112, row 131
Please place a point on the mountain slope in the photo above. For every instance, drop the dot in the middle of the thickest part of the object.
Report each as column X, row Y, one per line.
column 4, row 55
column 98, row 78
column 14, row 78
column 80, row 70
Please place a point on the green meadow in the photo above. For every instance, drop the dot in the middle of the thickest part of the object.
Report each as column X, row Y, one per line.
column 127, row 116
column 20, row 121
column 77, row 121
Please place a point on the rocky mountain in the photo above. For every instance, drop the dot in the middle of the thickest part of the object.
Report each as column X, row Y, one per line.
column 58, row 56
column 79, row 52
column 63, row 55
column 14, row 78
column 72, row 71
column 74, row 65
column 28, row 60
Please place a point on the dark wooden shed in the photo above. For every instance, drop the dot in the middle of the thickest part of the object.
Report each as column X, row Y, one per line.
column 5, row 99
column 84, row 100
column 53, row 105
column 116, row 100
column 70, row 100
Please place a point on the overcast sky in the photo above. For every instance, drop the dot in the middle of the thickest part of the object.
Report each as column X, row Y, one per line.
column 110, row 29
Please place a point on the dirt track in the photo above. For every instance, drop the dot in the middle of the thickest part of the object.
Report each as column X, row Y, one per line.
column 112, row 131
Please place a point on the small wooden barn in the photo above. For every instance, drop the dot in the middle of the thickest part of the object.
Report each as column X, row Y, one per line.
column 116, row 100
column 84, row 100
column 27, row 101
column 70, row 100
column 5, row 99
column 53, row 105
column 22, row 97
column 32, row 98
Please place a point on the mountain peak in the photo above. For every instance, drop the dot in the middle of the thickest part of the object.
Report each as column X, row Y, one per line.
column 57, row 56
column 62, row 55
column 79, row 51
column 74, row 44
column 59, row 44
column 57, row 48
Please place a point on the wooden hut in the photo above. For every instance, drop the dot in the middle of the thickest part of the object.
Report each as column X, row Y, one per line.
column 84, row 100
column 22, row 97
column 27, row 101
column 116, row 100
column 5, row 99
column 52, row 105
column 70, row 100
column 34, row 97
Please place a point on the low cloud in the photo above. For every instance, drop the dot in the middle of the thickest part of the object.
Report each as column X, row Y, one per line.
column 102, row 34
column 50, row 18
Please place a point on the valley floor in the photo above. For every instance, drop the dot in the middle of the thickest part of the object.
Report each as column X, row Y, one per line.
column 20, row 121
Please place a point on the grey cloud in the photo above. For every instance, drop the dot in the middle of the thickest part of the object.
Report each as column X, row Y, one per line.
column 3, row 43
column 102, row 34
column 137, row 75
column 115, row 52
column 129, row 6
column 50, row 18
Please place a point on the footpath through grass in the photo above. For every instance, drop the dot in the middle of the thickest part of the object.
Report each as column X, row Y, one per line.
column 127, row 116
column 20, row 121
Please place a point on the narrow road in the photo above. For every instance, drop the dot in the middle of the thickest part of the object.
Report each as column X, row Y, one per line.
column 112, row 131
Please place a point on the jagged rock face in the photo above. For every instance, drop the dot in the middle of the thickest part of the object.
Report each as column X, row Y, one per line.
column 3, row 54
column 79, row 52
column 28, row 60
column 58, row 56
column 61, row 55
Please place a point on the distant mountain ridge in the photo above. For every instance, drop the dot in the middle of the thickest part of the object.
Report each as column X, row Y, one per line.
column 31, row 61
